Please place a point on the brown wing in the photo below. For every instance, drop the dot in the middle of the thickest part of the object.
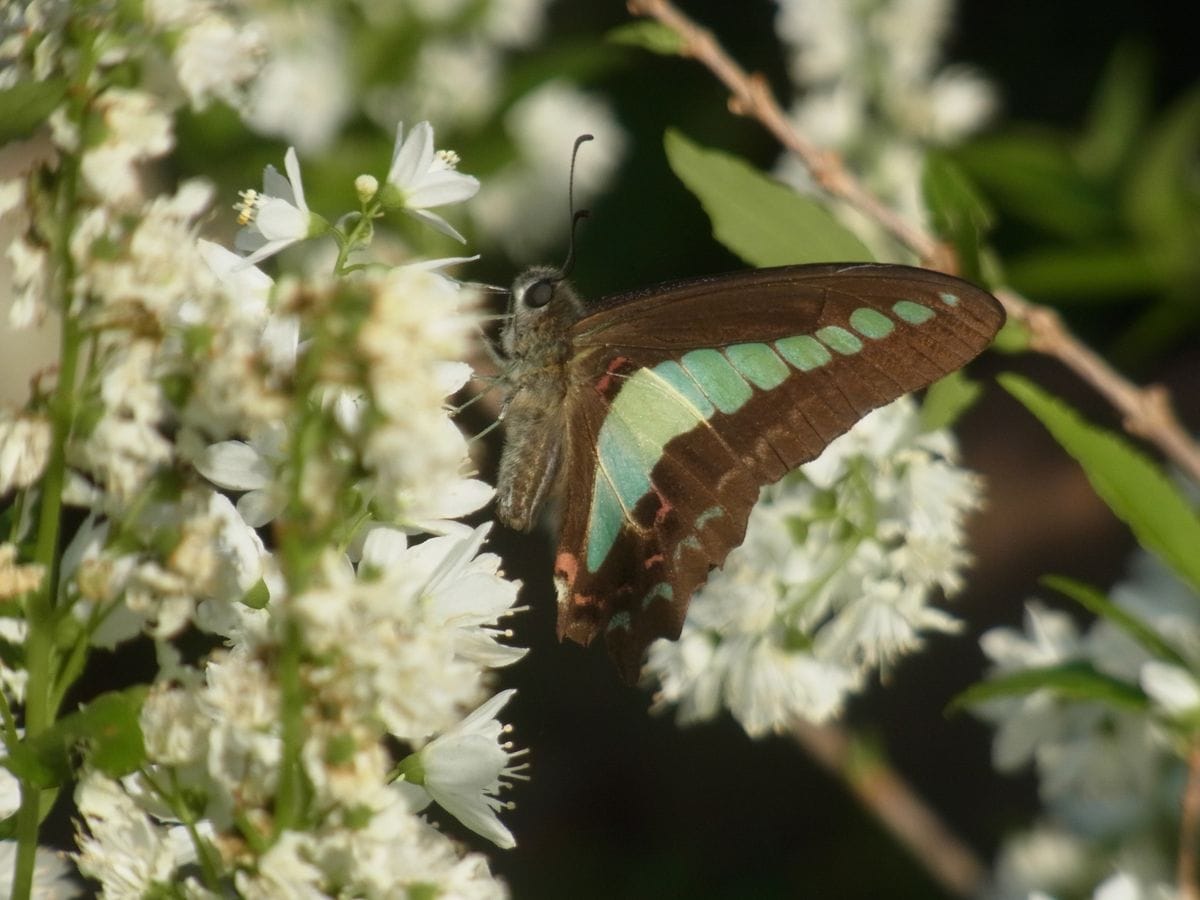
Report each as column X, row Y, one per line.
column 684, row 400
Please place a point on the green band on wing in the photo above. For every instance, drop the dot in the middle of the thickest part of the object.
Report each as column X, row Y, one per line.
column 871, row 323
column 652, row 407
column 759, row 364
column 718, row 379
column 803, row 351
column 604, row 522
column 912, row 313
column 837, row 338
column 684, row 385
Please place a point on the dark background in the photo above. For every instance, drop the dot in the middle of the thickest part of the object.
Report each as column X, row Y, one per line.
column 626, row 804
column 623, row 804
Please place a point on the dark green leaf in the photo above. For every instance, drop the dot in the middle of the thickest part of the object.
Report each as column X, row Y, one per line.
column 1069, row 681
column 652, row 36
column 25, row 106
column 1089, row 273
column 1094, row 601
column 1117, row 119
column 1161, row 195
column 1131, row 484
column 947, row 399
column 1035, row 178
column 106, row 734
column 764, row 222
column 959, row 213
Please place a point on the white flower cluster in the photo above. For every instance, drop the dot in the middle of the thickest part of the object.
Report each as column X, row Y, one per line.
column 448, row 60
column 1109, row 776
column 365, row 618
column 833, row 582
column 871, row 87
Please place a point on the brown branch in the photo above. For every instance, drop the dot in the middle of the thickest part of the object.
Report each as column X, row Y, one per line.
column 1189, row 830
column 886, row 795
column 1146, row 412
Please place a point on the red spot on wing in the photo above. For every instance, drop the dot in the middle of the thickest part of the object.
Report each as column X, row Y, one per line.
column 604, row 382
column 566, row 565
column 664, row 506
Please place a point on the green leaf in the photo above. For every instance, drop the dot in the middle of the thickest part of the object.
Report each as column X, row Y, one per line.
column 1095, row 602
column 1131, row 484
column 947, row 399
column 1034, row 177
column 257, row 596
column 764, row 222
column 1013, row 337
column 1089, row 273
column 106, row 733
column 1160, row 194
column 652, row 36
column 959, row 213
column 1069, row 681
column 25, row 106
column 1117, row 118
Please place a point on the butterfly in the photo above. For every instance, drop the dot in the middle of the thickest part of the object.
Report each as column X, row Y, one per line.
column 658, row 415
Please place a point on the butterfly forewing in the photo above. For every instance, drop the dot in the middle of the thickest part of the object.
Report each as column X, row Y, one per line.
column 684, row 400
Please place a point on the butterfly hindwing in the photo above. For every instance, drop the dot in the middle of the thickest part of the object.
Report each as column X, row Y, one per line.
column 684, row 400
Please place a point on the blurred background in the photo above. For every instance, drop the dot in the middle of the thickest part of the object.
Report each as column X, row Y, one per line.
column 1085, row 147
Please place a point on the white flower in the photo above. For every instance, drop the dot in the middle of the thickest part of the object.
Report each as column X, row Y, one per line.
column 251, row 467
column 1173, row 689
column 1103, row 770
column 463, row 769
column 304, row 92
column 278, row 217
column 423, row 179
column 1046, row 858
column 53, row 876
column 249, row 285
column 136, row 129
column 461, row 588
column 122, row 848
column 792, row 625
column 285, row 871
column 24, row 449
column 216, row 58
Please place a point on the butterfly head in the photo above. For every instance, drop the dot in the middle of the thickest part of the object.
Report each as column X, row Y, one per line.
column 542, row 307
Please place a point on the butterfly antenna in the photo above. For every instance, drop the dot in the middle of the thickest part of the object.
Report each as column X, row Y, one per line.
column 576, row 215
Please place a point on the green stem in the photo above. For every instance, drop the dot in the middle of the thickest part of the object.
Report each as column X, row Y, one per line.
column 40, row 688
column 289, row 803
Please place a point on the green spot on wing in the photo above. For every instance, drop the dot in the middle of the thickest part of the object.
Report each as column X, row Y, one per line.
column 718, row 379
column 948, row 298
column 672, row 373
column 662, row 589
column 912, row 313
column 759, row 364
column 621, row 619
column 871, row 323
column 604, row 523
column 803, row 351
column 837, row 338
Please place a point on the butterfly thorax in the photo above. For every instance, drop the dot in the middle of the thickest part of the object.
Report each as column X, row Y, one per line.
column 537, row 346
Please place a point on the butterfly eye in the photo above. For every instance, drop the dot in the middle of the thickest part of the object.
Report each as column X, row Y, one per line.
column 538, row 294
